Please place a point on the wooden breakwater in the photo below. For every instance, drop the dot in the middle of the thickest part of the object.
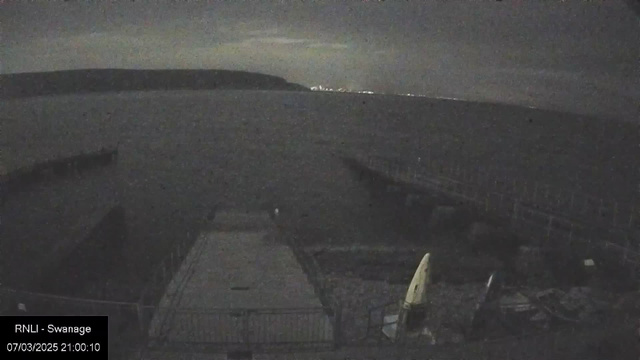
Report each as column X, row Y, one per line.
column 25, row 177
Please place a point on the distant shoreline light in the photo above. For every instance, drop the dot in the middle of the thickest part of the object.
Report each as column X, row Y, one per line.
column 343, row 90
column 324, row 88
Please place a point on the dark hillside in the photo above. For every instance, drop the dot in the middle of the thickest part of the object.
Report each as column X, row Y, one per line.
column 109, row 80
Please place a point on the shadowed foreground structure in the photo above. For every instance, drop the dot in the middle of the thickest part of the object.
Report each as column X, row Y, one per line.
column 179, row 156
column 64, row 216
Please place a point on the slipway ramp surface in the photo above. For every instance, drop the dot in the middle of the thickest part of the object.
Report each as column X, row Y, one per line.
column 237, row 288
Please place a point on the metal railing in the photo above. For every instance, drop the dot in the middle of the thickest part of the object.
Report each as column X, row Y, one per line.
column 568, row 342
column 133, row 330
column 259, row 329
column 165, row 271
column 134, row 327
column 517, row 208
column 595, row 210
column 126, row 326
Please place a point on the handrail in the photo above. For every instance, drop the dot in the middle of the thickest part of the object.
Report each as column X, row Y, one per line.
column 622, row 214
column 546, row 225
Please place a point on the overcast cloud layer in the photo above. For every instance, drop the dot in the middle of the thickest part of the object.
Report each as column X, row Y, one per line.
column 574, row 55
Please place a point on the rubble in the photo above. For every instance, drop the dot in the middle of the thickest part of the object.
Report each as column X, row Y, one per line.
column 521, row 310
column 530, row 265
column 441, row 216
column 377, row 276
column 486, row 238
column 516, row 303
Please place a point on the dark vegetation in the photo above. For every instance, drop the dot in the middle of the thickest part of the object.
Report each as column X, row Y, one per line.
column 114, row 80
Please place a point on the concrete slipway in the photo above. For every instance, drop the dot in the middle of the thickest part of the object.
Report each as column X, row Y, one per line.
column 239, row 286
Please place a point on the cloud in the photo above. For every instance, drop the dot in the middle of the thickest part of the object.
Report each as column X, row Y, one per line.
column 94, row 40
column 309, row 43
column 262, row 32
column 274, row 40
column 329, row 45
column 540, row 73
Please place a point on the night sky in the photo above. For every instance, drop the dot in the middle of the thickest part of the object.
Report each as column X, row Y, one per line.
column 575, row 55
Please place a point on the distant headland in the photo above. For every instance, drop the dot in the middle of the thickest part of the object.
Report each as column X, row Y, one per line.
column 114, row 80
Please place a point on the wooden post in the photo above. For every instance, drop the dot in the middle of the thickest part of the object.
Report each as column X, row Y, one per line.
column 483, row 350
column 246, row 338
column 586, row 204
column 634, row 266
column 337, row 326
column 547, row 193
column 571, row 201
column 600, row 209
column 164, row 273
column 570, row 235
column 140, row 313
